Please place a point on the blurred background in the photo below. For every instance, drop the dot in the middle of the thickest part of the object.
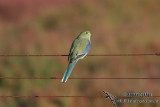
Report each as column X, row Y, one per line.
column 50, row 26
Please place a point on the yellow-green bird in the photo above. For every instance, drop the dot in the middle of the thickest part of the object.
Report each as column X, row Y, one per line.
column 79, row 49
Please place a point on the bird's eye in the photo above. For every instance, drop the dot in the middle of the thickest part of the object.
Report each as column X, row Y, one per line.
column 86, row 32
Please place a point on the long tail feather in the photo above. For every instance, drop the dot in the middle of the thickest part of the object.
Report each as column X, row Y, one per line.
column 68, row 71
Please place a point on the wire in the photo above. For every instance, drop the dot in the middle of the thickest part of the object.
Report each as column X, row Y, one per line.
column 143, row 54
column 70, row 78
column 68, row 96
column 50, row 96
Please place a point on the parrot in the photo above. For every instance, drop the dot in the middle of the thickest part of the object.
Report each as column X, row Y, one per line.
column 79, row 49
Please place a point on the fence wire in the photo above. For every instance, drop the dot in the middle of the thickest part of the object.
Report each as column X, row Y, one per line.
column 71, row 78
column 37, row 96
column 132, row 54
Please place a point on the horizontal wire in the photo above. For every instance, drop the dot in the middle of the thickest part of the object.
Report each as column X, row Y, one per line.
column 49, row 96
column 71, row 96
column 69, row 78
column 143, row 54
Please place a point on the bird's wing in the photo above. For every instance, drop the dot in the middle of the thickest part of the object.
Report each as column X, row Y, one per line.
column 79, row 49
column 72, row 48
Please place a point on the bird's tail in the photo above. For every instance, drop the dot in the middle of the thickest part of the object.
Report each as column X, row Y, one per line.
column 68, row 71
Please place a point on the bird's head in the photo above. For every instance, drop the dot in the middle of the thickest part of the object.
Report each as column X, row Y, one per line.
column 85, row 34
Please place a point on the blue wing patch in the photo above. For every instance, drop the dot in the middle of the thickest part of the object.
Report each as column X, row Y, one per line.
column 85, row 52
column 88, row 47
